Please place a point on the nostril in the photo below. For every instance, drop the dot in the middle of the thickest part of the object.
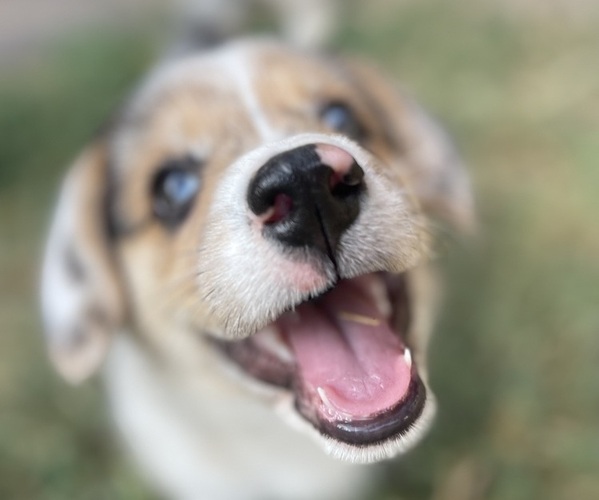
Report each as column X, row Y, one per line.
column 345, row 172
column 307, row 196
column 352, row 178
column 355, row 176
column 281, row 208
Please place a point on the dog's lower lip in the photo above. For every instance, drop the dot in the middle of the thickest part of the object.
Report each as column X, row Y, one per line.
column 378, row 428
column 271, row 356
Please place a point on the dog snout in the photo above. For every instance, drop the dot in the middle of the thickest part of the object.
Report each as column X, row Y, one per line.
column 308, row 196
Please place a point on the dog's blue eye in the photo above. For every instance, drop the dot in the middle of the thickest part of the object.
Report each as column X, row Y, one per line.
column 339, row 117
column 180, row 186
column 173, row 192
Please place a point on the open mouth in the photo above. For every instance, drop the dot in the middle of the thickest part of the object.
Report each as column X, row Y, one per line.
column 345, row 356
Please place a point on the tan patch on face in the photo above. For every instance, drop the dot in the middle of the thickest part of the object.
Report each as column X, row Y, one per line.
column 298, row 87
column 211, row 125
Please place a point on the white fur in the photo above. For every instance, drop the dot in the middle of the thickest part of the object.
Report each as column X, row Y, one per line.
column 62, row 298
column 248, row 292
column 196, row 440
column 241, row 74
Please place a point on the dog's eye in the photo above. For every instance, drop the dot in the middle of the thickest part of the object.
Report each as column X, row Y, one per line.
column 173, row 192
column 339, row 117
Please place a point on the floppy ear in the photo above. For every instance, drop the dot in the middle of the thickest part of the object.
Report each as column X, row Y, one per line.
column 435, row 169
column 82, row 300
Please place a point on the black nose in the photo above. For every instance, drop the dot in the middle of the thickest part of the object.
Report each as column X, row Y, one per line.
column 308, row 196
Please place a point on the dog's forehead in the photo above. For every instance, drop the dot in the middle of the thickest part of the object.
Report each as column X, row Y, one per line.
column 232, row 91
column 237, row 96
column 235, row 69
column 247, row 77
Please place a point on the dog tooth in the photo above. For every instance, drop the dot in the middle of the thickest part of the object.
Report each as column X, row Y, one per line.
column 407, row 355
column 378, row 291
column 326, row 401
column 324, row 397
column 334, row 412
column 359, row 318
column 270, row 339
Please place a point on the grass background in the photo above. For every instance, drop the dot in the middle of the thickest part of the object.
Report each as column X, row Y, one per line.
column 515, row 361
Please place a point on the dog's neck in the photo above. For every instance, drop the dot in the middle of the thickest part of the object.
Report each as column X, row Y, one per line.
column 190, row 414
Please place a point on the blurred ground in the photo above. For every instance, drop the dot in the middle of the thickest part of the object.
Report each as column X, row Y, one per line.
column 25, row 25
column 516, row 354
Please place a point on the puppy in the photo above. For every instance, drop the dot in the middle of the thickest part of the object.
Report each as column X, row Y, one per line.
column 245, row 252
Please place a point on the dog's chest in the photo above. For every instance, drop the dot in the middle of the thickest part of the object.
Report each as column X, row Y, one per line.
column 199, row 441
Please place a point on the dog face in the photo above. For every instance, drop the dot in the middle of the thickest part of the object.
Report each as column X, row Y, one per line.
column 273, row 206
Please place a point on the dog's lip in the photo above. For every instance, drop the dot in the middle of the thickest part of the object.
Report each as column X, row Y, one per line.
column 323, row 395
column 378, row 428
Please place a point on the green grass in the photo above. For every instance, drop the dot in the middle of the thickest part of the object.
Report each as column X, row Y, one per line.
column 55, row 442
column 515, row 357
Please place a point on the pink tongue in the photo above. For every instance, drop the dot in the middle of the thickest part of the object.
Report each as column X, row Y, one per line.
column 348, row 356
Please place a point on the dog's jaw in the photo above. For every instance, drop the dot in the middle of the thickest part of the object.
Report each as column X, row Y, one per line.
column 361, row 406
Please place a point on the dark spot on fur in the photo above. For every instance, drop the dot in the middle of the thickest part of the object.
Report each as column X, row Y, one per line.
column 77, row 338
column 201, row 36
column 73, row 265
column 110, row 193
column 97, row 317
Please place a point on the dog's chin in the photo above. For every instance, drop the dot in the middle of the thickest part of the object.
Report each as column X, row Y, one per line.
column 345, row 359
